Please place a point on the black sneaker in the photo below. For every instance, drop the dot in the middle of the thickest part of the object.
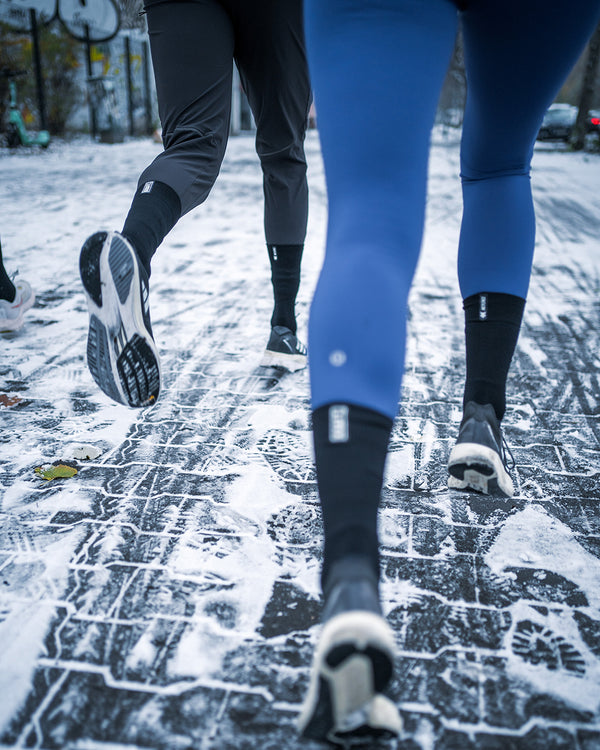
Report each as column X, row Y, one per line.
column 284, row 350
column 478, row 461
column 121, row 352
column 353, row 662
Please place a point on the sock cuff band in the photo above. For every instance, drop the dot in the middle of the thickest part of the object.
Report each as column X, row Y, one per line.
column 285, row 248
column 287, row 257
column 495, row 306
column 357, row 418
column 160, row 191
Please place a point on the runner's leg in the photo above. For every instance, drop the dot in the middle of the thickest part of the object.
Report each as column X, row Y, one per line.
column 271, row 58
column 192, row 51
column 517, row 56
column 377, row 82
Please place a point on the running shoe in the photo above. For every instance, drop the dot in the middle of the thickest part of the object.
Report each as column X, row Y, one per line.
column 353, row 663
column 121, row 354
column 11, row 313
column 284, row 350
column 479, row 459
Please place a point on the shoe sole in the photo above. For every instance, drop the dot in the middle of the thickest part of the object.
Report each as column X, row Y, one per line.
column 476, row 467
column 9, row 325
column 121, row 353
column 291, row 362
column 352, row 666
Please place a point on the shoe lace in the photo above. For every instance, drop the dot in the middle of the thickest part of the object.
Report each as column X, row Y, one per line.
column 506, row 452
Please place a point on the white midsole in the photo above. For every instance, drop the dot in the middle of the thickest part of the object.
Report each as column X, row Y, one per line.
column 354, row 700
column 291, row 362
column 470, row 454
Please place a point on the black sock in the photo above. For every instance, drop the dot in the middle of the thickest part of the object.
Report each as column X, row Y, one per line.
column 285, row 277
column 350, row 450
column 155, row 210
column 492, row 324
column 7, row 288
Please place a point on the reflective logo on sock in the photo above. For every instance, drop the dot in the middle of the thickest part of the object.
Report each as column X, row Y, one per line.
column 482, row 306
column 339, row 431
column 274, row 251
column 337, row 358
column 148, row 187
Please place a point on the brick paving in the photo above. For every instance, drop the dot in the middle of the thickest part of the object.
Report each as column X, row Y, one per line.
column 165, row 597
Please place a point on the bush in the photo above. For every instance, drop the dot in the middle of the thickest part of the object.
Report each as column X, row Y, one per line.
column 59, row 53
column 60, row 63
column 10, row 58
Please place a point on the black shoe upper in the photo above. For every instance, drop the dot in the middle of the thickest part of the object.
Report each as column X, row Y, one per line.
column 480, row 425
column 283, row 341
column 351, row 585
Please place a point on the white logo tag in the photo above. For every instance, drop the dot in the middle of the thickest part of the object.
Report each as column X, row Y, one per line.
column 339, row 431
column 148, row 187
column 482, row 306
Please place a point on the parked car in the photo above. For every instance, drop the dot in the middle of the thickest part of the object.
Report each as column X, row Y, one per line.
column 593, row 124
column 557, row 123
column 559, row 120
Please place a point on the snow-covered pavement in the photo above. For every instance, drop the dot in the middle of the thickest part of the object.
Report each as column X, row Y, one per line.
column 165, row 595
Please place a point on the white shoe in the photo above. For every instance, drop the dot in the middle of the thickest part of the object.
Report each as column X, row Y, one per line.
column 11, row 313
column 479, row 460
column 352, row 665
column 353, row 662
column 121, row 354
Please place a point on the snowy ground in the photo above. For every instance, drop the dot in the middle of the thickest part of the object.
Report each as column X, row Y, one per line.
column 165, row 596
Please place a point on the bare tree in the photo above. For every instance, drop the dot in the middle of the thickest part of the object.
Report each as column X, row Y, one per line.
column 130, row 14
column 577, row 140
column 451, row 105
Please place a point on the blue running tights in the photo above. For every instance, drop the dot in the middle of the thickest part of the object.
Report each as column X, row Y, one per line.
column 377, row 68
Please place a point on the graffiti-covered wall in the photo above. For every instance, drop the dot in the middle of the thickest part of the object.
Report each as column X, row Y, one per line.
column 108, row 86
column 121, row 90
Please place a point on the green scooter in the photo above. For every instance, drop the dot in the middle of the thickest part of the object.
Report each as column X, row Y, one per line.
column 16, row 132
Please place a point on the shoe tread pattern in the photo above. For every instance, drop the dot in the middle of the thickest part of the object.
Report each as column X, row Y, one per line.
column 98, row 357
column 121, row 267
column 138, row 372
